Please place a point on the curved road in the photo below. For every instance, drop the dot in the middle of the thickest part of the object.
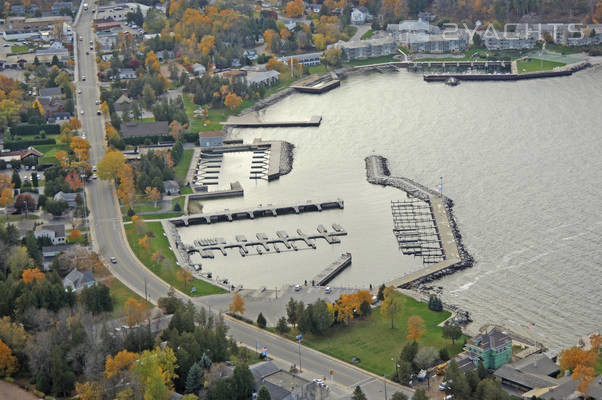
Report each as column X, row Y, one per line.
column 109, row 240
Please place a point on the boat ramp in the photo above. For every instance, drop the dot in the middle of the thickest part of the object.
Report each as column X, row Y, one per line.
column 334, row 269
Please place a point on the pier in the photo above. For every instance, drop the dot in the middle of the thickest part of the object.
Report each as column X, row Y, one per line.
column 427, row 230
column 262, row 244
column 245, row 122
column 315, row 84
column 268, row 210
column 334, row 269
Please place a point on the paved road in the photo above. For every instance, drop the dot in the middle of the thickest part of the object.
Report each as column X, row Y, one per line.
column 109, row 239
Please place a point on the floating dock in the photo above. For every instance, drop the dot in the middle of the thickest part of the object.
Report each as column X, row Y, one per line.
column 315, row 120
column 334, row 269
column 262, row 244
column 257, row 212
column 315, row 84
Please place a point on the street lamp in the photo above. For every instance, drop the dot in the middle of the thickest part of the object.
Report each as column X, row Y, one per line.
column 396, row 366
column 299, row 337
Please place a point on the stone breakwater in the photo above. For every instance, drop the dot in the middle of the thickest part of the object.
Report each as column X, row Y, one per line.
column 286, row 158
column 268, row 101
column 377, row 172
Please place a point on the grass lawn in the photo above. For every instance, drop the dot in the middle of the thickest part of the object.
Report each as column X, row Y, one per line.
column 120, row 294
column 375, row 60
column 18, row 217
column 375, row 343
column 178, row 200
column 367, row 35
column 166, row 269
column 19, row 49
column 186, row 190
column 181, row 168
column 49, row 151
column 534, row 65
column 165, row 215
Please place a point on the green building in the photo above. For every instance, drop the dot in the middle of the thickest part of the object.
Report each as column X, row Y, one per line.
column 493, row 348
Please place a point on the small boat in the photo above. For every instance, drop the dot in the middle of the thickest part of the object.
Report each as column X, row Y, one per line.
column 452, row 81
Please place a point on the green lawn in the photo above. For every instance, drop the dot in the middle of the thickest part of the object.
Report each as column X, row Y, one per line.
column 186, row 190
column 49, row 151
column 120, row 294
column 18, row 217
column 181, row 168
column 367, row 35
column 375, row 60
column 178, row 200
column 167, row 269
column 16, row 49
column 534, row 65
column 165, row 215
column 375, row 343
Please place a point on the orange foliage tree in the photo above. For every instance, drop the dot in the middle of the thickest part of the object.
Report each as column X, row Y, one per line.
column 75, row 234
column 184, row 276
column 294, row 8
column 126, row 190
column 135, row 311
column 80, row 147
column 31, row 274
column 238, row 304
column 152, row 194
column 8, row 362
column 573, row 357
column 73, row 180
column 232, row 101
column 121, row 362
column 415, row 327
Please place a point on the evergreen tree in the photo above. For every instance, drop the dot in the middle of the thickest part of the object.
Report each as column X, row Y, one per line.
column 381, row 292
column 443, row 354
column 16, row 180
column 452, row 331
column 435, row 303
column 263, row 393
column 261, row 322
column 457, row 385
column 404, row 372
column 482, row 371
column 409, row 351
column 205, row 362
column 194, row 379
column 358, row 394
column 282, row 326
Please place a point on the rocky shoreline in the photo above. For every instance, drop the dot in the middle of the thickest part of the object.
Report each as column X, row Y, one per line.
column 286, row 158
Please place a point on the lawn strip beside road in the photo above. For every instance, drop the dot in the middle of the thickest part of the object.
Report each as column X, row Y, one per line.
column 167, row 269
column 375, row 343
column 181, row 168
column 120, row 294
column 534, row 65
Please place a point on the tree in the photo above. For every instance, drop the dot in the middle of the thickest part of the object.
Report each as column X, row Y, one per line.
column 263, row 393
column 238, row 304
column 80, row 148
column 452, row 331
column 6, row 191
column 184, row 276
column 56, row 207
column 88, row 390
column 126, row 190
column 358, row 394
column 282, row 326
column 443, row 354
column 97, row 299
column 135, row 311
column 399, row 396
column 391, row 306
column 575, row 356
column 365, row 308
column 489, row 389
column 152, row 194
column 426, row 357
column 110, row 165
column 232, row 101
column 74, row 180
column 409, row 351
column 295, row 8
column 435, row 303
column 31, row 274
column 415, row 327
column 122, row 361
column 25, row 203
column 585, row 375
column 404, row 372
column 175, row 129
column 291, row 312
column 261, row 322
column 8, row 362
column 16, row 179
column 457, row 385
column 420, row 394
column 156, row 370
column 75, row 234
column 194, row 379
column 333, row 57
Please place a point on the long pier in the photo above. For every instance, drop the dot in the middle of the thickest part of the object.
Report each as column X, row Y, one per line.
column 262, row 244
column 454, row 256
column 335, row 268
column 430, row 64
column 315, row 120
column 257, row 212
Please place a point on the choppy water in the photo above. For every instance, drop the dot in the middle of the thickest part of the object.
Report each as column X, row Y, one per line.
column 521, row 161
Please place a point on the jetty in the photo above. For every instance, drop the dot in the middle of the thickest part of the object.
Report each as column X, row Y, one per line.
column 262, row 244
column 268, row 210
column 247, row 122
column 427, row 230
column 315, row 84
column 334, row 269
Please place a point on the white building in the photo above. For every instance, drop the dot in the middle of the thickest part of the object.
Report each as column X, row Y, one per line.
column 358, row 17
column 308, row 59
column 56, row 233
column 358, row 49
column 119, row 12
column 127, row 73
column 265, row 78
column 77, row 280
column 198, row 69
column 507, row 41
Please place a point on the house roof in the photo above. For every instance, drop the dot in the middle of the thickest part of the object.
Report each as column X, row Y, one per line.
column 538, row 364
column 159, row 128
column 276, row 392
column 126, row 71
column 493, row 339
column 263, row 369
column 59, row 230
column 78, row 279
column 524, row 379
column 50, row 92
column 123, row 99
column 46, row 250
column 68, row 197
column 567, row 389
column 261, row 76
column 171, row 185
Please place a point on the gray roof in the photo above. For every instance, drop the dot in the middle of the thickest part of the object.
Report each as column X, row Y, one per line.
column 171, row 185
column 566, row 390
column 50, row 92
column 55, row 249
column 159, row 128
column 263, row 369
column 78, row 278
column 59, row 230
column 538, row 364
column 68, row 197
column 524, row 379
column 276, row 392
column 491, row 340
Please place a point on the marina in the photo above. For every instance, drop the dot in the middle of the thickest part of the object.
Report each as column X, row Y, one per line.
column 334, row 269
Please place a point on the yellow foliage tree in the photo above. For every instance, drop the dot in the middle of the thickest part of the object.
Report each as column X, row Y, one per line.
column 238, row 304
column 152, row 194
column 126, row 190
column 88, row 390
column 575, row 356
column 8, row 362
column 31, row 274
column 120, row 363
column 319, row 41
column 75, row 123
column 104, row 109
column 37, row 106
column 80, row 148
column 144, row 242
column 75, row 234
column 135, row 311
column 63, row 158
column 110, row 165
column 275, row 65
column 184, row 276
column 294, row 8
column 232, row 101
column 415, row 327
column 391, row 306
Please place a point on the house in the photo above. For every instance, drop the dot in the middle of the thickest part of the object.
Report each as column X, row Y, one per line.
column 493, row 348
column 60, row 6
column 68, row 197
column 59, row 118
column 122, row 104
column 171, row 187
column 107, row 40
column 50, row 252
column 198, row 69
column 211, row 138
column 51, row 92
column 290, row 25
column 262, row 78
column 132, row 129
column 18, row 9
column 358, row 17
column 567, row 389
column 308, row 59
column 409, row 26
column 56, row 49
column 426, row 16
column 534, row 372
column 251, row 54
column 437, row 43
column 22, row 155
column 507, row 40
column 126, row 73
column 56, row 233
column 77, row 280
column 282, row 385
column 51, row 105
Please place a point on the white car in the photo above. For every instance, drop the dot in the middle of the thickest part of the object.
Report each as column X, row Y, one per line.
column 94, row 168
column 82, row 112
column 113, row 260
column 94, row 176
column 328, row 290
column 79, row 91
column 297, row 288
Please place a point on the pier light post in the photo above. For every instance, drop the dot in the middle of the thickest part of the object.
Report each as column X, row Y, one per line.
column 441, row 186
column 299, row 337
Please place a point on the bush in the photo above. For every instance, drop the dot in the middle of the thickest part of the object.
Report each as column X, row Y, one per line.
column 23, row 144
column 435, row 303
column 33, row 129
column 282, row 326
column 261, row 322
column 444, row 354
column 177, row 207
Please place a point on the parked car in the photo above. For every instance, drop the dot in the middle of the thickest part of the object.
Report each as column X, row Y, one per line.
column 297, row 288
column 328, row 290
column 113, row 260
column 443, row 386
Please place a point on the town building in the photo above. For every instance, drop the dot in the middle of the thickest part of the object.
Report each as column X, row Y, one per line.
column 567, row 389
column 51, row 92
column 507, row 41
column 119, row 12
column 70, row 198
column 61, row 7
column 359, row 49
column 126, row 73
column 438, row 43
column 56, row 233
column 23, row 155
column 307, row 59
column 198, row 69
column 132, row 129
column 531, row 373
column 77, row 280
column 492, row 348
column 360, row 15
column 122, row 104
column 171, row 187
column 59, row 118
column 56, row 49
column 262, row 78
column 107, row 39
column 409, row 26
column 282, row 385
column 211, row 138
column 49, row 253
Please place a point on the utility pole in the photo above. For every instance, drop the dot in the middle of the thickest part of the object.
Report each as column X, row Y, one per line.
column 299, row 336
column 441, row 186
column 385, row 382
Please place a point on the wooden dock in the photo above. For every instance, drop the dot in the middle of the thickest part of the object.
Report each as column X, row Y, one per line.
column 334, row 269
column 315, row 120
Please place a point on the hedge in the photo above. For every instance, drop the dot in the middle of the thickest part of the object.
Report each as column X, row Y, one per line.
column 30, row 129
column 23, row 144
column 154, row 139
